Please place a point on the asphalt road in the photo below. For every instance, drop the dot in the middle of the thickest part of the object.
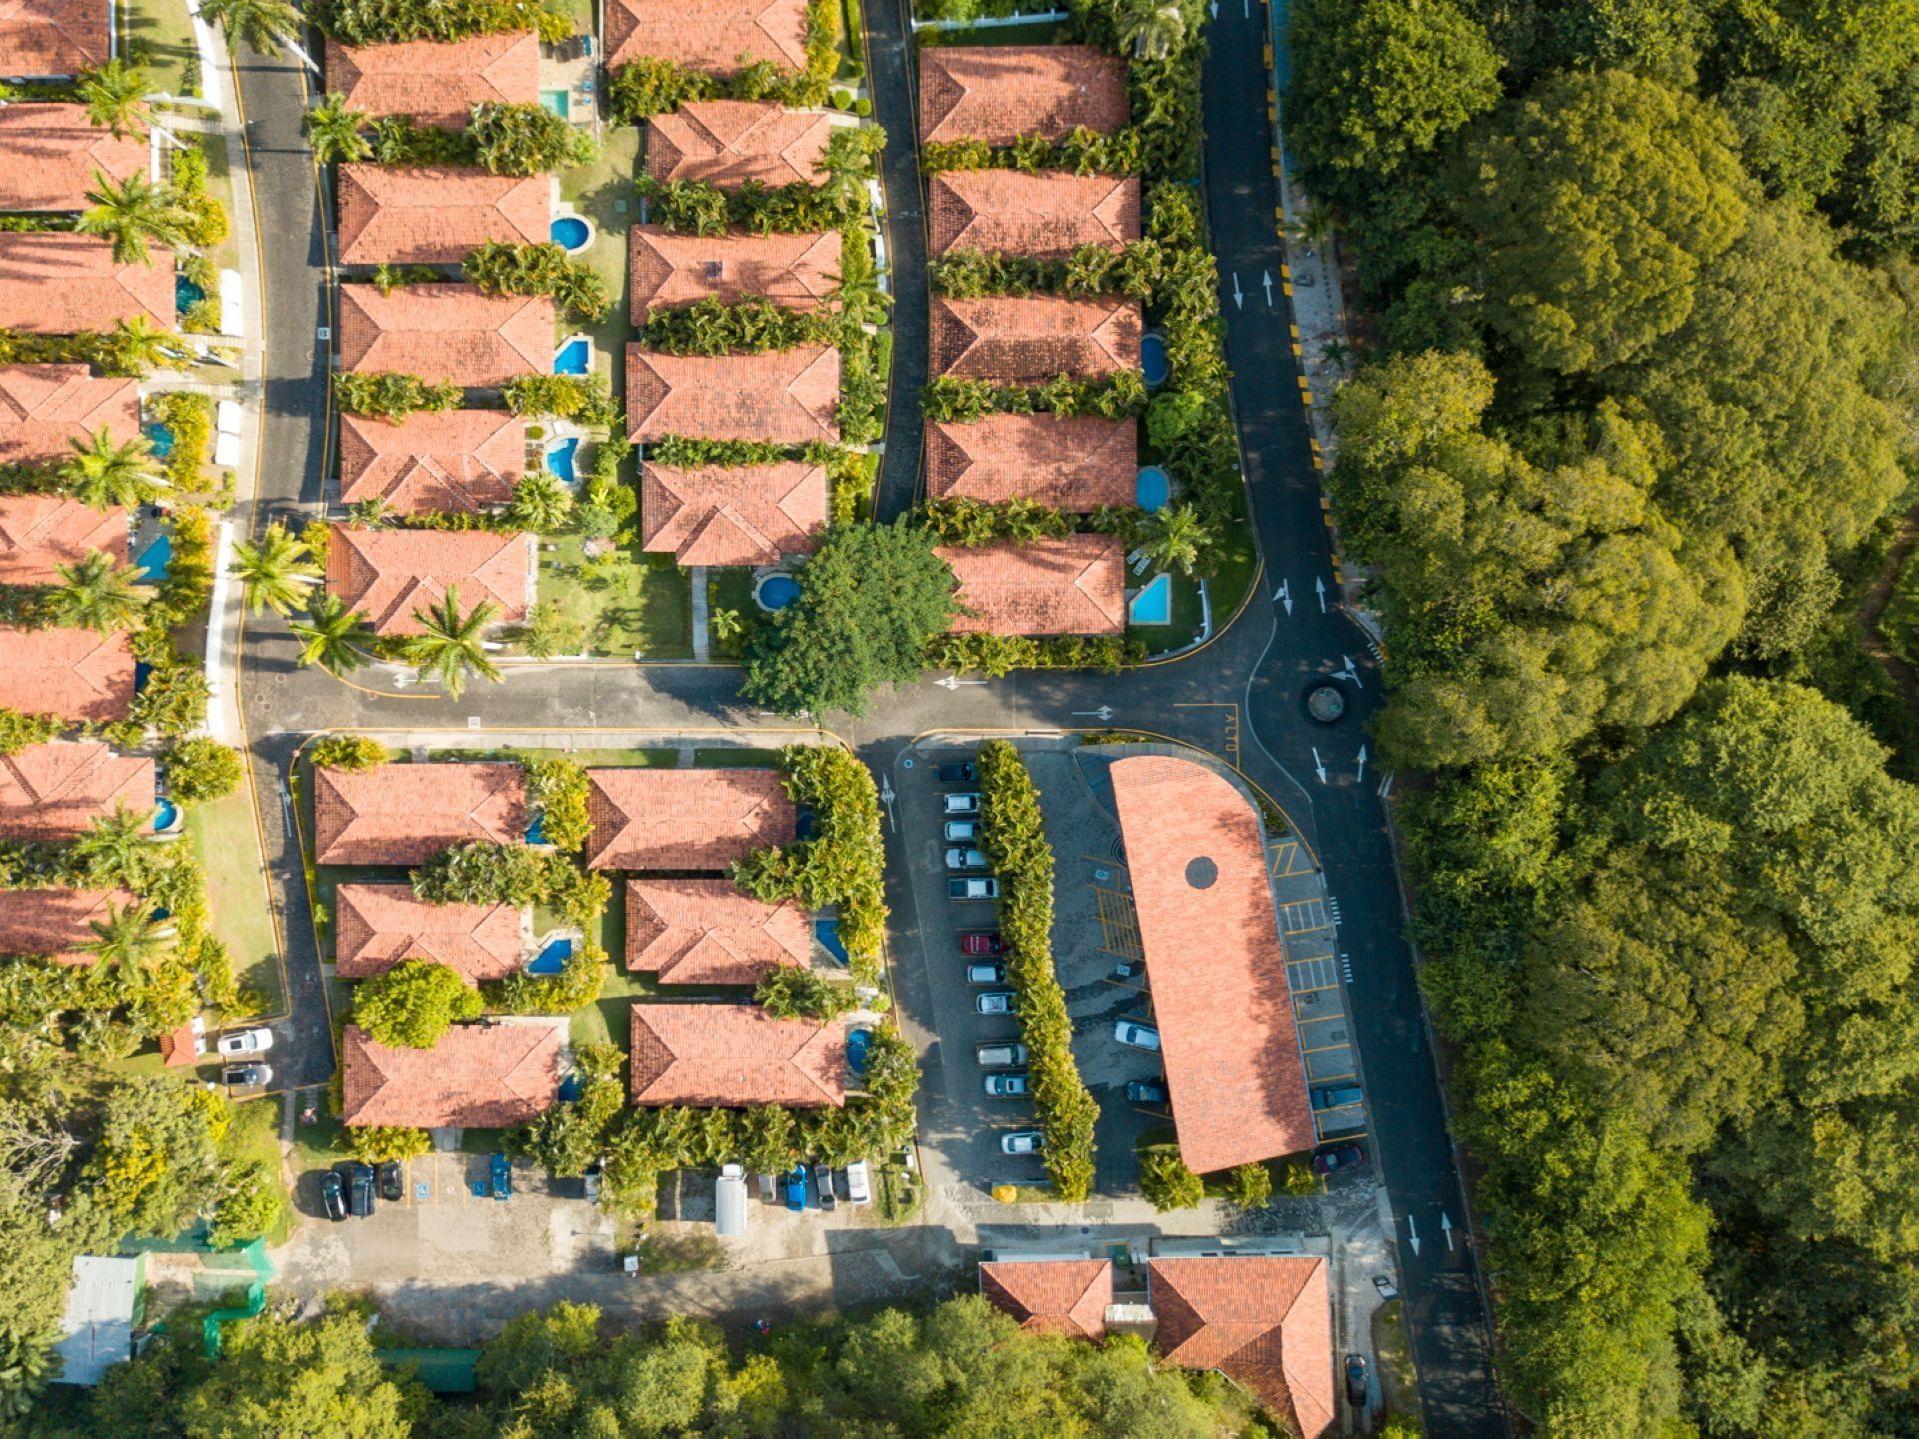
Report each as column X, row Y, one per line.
column 895, row 85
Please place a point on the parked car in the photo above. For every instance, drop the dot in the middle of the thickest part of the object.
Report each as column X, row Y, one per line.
column 999, row 1054
column 1387, row 1289
column 960, row 857
column 247, row 1076
column 796, row 1188
column 959, row 804
column 591, row 1179
column 994, row 1001
column 392, row 1176
column 500, row 1172
column 859, row 1186
column 246, row 1041
column 1340, row 1156
column 1356, row 1377
column 1136, row 1036
column 958, row 774
column 960, row 831
column 987, row 971
column 1337, row 1096
column 972, row 888
column 1147, row 1091
column 333, row 1195
column 823, row 1181
column 1007, row 1085
column 360, row 1190
column 1022, row 1141
column 982, row 941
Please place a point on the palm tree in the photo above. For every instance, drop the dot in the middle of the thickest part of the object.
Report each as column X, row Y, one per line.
column 1175, row 537
column 726, row 625
column 102, row 473
column 139, row 345
column 129, row 941
column 1154, row 28
column 132, row 213
column 334, row 131
column 541, row 503
column 275, row 572
column 449, row 644
column 1313, row 226
column 115, row 97
column 117, row 848
column 96, row 594
column 265, row 25
column 333, row 636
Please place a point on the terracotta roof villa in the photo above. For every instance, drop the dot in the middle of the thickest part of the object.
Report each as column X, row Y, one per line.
column 490, row 1076
column 55, row 791
column 52, row 154
column 711, row 37
column 1264, row 1321
column 669, row 270
column 1075, row 585
column 379, row 925
column 439, row 461
column 735, row 1055
column 728, row 142
column 39, row 533
column 684, row 819
column 75, row 674
column 732, row 514
column 787, row 396
column 997, row 93
column 1031, row 339
column 705, row 931
column 56, row 922
column 435, row 215
column 43, row 408
column 60, row 283
column 388, row 575
column 446, row 333
column 401, row 814
column 436, row 81
column 1051, row 1296
column 52, row 39
column 1049, row 215
column 1222, row 1003
column 1071, row 462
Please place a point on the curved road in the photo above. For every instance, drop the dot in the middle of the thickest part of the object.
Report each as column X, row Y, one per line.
column 1248, row 683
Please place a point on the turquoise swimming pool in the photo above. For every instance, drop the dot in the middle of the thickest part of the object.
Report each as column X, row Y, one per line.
column 552, row 957
column 776, row 592
column 1153, row 605
column 159, row 438
column 1153, row 487
column 155, row 558
column 569, row 232
column 1153, row 362
column 575, row 357
column 557, row 101
column 559, row 459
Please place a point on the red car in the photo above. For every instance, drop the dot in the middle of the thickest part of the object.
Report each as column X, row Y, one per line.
column 1343, row 1156
column 982, row 941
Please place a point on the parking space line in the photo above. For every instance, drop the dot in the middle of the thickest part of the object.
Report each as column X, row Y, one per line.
column 1329, row 1048
column 1333, row 1079
column 1119, row 923
column 1316, row 989
column 1321, row 1019
column 1287, row 852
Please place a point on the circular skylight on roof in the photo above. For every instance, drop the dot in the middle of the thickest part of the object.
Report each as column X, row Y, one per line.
column 1201, row 872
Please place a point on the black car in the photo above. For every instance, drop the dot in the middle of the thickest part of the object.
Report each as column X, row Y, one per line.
column 393, row 1181
column 1356, row 1380
column 591, row 1180
column 360, row 1186
column 333, row 1195
column 1146, row 1091
column 958, row 773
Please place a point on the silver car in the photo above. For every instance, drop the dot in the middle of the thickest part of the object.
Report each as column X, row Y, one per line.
column 1022, row 1141
column 965, row 858
column 994, row 1001
column 960, row 831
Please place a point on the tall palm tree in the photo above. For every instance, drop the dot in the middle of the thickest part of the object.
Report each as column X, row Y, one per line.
column 96, row 594
column 103, row 473
column 1175, row 537
column 115, row 97
column 276, row 572
column 139, row 344
column 541, row 503
column 726, row 625
column 1154, row 28
column 334, row 131
column 265, row 25
column 129, row 941
column 333, row 636
column 132, row 213
column 449, row 645
column 117, row 848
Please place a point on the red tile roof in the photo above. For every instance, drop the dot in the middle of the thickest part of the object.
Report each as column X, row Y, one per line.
column 40, row 39
column 75, row 674
column 407, row 813
column 1264, row 1321
column 1071, row 462
column 54, row 791
column 787, row 396
column 435, row 81
column 388, row 575
column 728, row 142
column 1070, row 586
column 39, row 533
column 1052, row 1296
column 446, row 333
column 1224, row 1009
column 1030, row 340
column 378, row 925
column 435, row 215
column 45, row 407
column 732, row 1055
column 57, row 923
column 713, row 36
column 185, row 1045
column 704, row 931
column 51, row 155
column 1050, row 214
column 732, row 514
column 670, row 270
column 684, row 819
column 479, row 1076
column 440, row 461
column 59, row 283
column 997, row 93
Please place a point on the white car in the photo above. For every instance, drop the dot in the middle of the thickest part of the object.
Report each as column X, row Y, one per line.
column 246, row 1041
column 1136, row 1036
column 994, row 1001
column 859, row 1187
column 959, row 804
column 1022, row 1141
column 965, row 857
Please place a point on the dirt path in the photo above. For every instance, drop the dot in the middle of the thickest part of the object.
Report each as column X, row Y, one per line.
column 1879, row 597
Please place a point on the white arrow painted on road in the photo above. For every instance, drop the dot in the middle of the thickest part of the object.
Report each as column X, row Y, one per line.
column 1319, row 766
column 1246, row 9
column 1284, row 596
column 1351, row 672
column 1362, row 764
column 1215, row 9
column 1239, row 297
column 953, row 682
column 1266, row 279
column 1319, row 588
column 1412, row 1231
column 1104, row 712
column 1446, row 1228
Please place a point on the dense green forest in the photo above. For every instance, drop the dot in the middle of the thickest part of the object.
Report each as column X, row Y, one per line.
column 1634, row 426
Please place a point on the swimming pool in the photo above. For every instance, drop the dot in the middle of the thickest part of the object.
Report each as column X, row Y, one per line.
column 557, row 101
column 186, row 294
column 827, row 931
column 858, row 1042
column 575, row 357
column 536, row 832
column 155, row 558
column 166, row 814
column 1153, row 487
column 1152, row 359
column 559, row 459
column 776, row 592
column 1154, row 604
column 570, row 232
column 552, row 957
column 159, row 438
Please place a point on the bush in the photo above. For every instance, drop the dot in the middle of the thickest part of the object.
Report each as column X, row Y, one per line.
column 584, row 398
column 792, row 992
column 390, row 395
column 481, row 873
column 1167, row 1182
column 713, row 327
column 557, row 788
column 544, row 269
column 251, row 1204
column 863, row 107
column 351, row 752
column 18, row 730
column 1250, row 1185
column 174, row 701
column 574, row 987
column 387, row 22
column 413, row 1004
column 202, row 769
column 842, row 99
column 378, row 1143
column 572, row 1134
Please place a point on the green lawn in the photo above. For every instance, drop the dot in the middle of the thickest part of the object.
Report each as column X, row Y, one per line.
column 164, row 31
column 742, row 757
column 226, row 841
column 641, row 604
column 732, row 589
column 256, row 1135
column 603, row 192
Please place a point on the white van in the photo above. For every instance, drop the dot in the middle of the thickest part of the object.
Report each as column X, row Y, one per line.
column 859, row 1187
